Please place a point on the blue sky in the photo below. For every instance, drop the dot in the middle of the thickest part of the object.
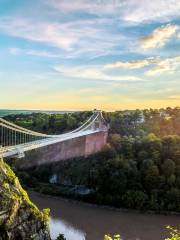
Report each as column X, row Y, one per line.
column 85, row 54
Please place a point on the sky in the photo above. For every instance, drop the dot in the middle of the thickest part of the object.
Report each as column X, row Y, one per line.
column 86, row 54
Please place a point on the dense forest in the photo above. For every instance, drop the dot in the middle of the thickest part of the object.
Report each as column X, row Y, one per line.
column 139, row 168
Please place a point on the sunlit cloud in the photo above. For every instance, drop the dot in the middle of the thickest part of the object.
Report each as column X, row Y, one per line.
column 158, row 37
column 174, row 97
column 168, row 66
column 156, row 65
column 91, row 73
column 134, row 64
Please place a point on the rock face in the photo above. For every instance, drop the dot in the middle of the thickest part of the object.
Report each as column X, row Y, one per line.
column 20, row 219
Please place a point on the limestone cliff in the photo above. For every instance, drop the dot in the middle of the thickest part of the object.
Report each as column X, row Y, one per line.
column 20, row 219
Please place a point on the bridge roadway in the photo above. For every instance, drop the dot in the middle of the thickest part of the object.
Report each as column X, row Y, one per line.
column 14, row 150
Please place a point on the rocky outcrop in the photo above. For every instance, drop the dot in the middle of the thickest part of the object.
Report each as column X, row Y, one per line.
column 20, row 219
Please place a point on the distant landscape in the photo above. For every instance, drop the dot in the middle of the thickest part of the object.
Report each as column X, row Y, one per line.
column 5, row 112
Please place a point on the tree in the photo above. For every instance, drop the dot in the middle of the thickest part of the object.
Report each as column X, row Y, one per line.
column 135, row 199
column 168, row 167
column 115, row 140
column 173, row 199
column 151, row 179
column 112, row 177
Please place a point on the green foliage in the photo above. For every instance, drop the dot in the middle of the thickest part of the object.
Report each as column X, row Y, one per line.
column 174, row 234
column 168, row 167
column 135, row 199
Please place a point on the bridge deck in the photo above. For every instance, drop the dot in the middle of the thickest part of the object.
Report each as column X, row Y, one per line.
column 13, row 150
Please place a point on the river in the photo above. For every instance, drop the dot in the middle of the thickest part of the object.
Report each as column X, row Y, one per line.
column 80, row 221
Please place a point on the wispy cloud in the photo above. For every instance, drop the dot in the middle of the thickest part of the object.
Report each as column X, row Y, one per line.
column 91, row 73
column 168, row 65
column 158, row 37
column 139, row 11
column 94, row 7
column 156, row 65
column 174, row 97
column 134, row 64
column 131, row 11
column 51, row 33
column 38, row 53
column 76, row 38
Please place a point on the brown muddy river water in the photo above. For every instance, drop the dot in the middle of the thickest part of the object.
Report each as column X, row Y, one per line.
column 79, row 221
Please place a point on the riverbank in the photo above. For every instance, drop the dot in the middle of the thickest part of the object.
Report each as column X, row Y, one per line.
column 85, row 203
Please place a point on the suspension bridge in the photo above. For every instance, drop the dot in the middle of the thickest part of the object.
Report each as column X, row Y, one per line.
column 17, row 141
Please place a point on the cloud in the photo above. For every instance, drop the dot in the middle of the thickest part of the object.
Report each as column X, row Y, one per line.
column 93, row 37
column 156, row 65
column 130, row 11
column 38, row 53
column 76, row 38
column 50, row 33
column 139, row 11
column 94, row 7
column 134, row 64
column 158, row 37
column 91, row 73
column 174, row 97
column 168, row 65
